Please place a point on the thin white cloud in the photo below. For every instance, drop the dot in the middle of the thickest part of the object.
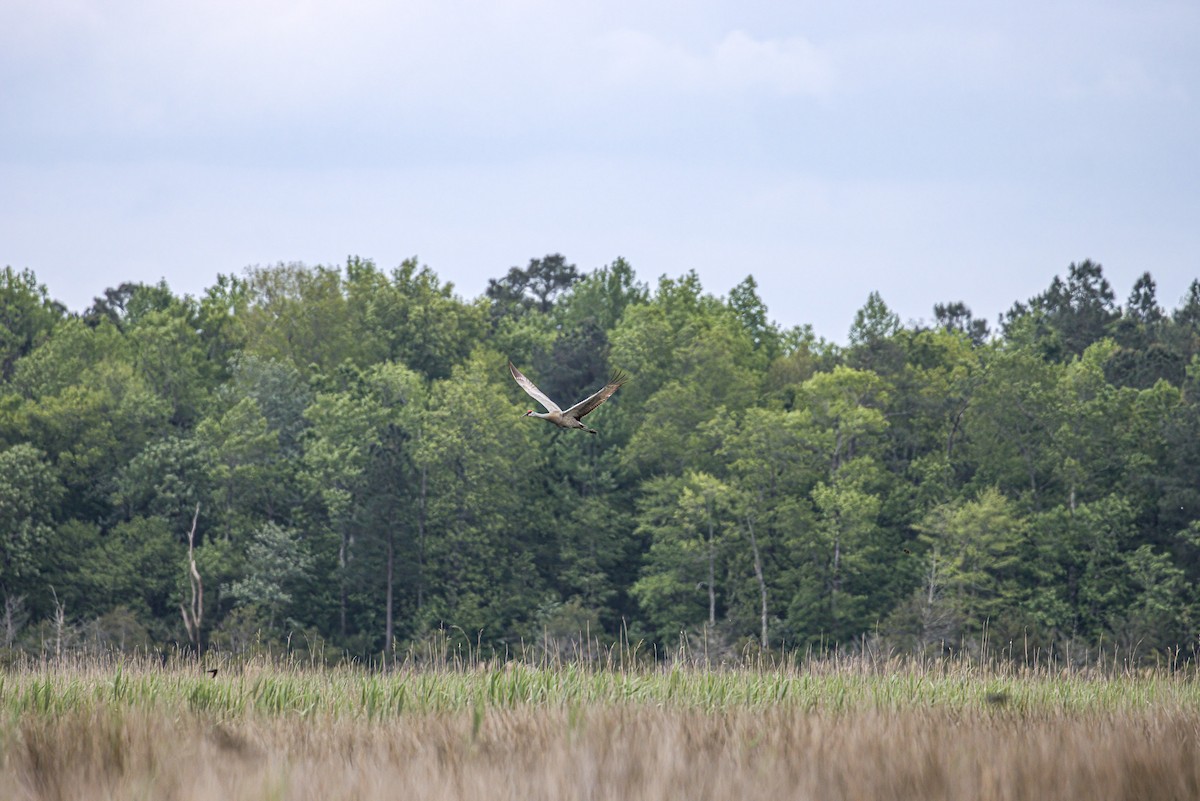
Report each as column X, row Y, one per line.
column 787, row 66
column 926, row 58
column 1122, row 79
column 198, row 67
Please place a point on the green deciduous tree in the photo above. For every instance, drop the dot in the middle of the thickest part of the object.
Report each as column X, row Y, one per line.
column 136, row 565
column 1009, row 423
column 29, row 497
column 276, row 560
column 167, row 350
column 417, row 319
column 844, row 414
column 27, row 316
column 842, row 568
column 302, row 316
column 482, row 522
column 686, row 521
column 243, row 466
column 974, row 549
column 773, row 464
column 92, row 428
column 691, row 359
column 336, row 457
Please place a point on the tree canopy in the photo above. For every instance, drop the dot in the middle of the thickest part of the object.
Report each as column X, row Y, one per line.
column 365, row 480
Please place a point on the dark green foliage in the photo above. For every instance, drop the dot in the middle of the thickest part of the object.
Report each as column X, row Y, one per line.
column 1069, row 316
column 531, row 289
column 27, row 316
column 365, row 479
column 957, row 317
column 29, row 496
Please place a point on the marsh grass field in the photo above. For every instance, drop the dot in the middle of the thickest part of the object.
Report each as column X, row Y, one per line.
column 823, row 729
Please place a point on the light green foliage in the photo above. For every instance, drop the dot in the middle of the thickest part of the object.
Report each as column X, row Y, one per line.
column 93, row 427
column 844, row 414
column 1159, row 590
column 302, row 315
column 63, row 359
column 874, row 322
column 276, row 559
column 691, row 357
column 343, row 428
column 843, row 558
column 930, row 395
column 219, row 315
column 168, row 349
column 416, row 318
column 525, row 340
column 1093, row 430
column 974, row 550
column 773, row 465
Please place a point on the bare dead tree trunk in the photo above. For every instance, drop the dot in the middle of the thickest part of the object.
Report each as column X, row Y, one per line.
column 343, row 547
column 712, row 573
column 954, row 428
column 389, row 621
column 193, row 612
column 762, row 584
column 421, row 538
column 836, row 583
column 14, row 618
column 60, row 623
column 932, row 577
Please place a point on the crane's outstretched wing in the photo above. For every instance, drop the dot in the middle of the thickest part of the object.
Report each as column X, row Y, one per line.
column 532, row 389
column 590, row 403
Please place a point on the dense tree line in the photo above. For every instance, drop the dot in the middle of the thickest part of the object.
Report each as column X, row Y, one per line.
column 363, row 478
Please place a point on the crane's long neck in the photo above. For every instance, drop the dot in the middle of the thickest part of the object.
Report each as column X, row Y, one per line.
column 543, row 415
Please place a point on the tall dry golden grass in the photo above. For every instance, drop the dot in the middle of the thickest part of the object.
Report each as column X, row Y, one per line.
column 629, row 752
column 521, row 733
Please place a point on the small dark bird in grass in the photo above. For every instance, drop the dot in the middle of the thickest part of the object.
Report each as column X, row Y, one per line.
column 997, row 698
column 212, row 672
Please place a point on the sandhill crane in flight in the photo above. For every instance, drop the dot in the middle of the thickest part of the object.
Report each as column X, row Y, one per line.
column 571, row 417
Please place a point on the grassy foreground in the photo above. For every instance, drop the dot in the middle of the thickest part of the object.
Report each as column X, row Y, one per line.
column 825, row 730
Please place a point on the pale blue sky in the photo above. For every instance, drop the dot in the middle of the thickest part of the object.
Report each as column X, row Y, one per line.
column 930, row 151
